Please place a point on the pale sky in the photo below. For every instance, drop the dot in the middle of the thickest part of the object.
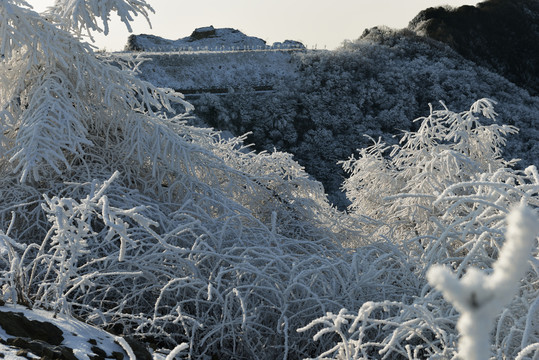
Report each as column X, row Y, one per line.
column 324, row 24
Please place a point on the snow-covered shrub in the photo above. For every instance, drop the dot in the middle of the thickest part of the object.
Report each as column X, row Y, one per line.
column 398, row 184
column 494, row 321
column 120, row 213
column 445, row 206
column 202, row 271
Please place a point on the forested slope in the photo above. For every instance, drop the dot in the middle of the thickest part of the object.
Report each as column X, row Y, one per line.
column 501, row 35
column 323, row 104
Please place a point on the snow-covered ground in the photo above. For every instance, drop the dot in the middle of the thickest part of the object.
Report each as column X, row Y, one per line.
column 209, row 70
column 83, row 341
column 78, row 336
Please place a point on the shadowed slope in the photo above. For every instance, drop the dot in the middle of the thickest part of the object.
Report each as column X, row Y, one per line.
column 502, row 35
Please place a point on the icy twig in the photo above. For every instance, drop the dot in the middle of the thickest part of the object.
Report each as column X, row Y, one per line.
column 480, row 297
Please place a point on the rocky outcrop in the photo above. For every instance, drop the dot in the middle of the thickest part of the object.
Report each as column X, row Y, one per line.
column 288, row 44
column 15, row 324
column 502, row 35
column 24, row 337
column 203, row 33
column 41, row 348
column 141, row 42
column 201, row 38
column 36, row 337
column 206, row 38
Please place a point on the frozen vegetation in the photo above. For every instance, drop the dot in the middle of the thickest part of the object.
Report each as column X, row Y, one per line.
column 319, row 105
column 117, row 211
column 205, row 71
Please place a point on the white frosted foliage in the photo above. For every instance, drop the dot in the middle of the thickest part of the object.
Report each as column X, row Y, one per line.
column 117, row 211
column 480, row 297
column 176, row 351
column 83, row 15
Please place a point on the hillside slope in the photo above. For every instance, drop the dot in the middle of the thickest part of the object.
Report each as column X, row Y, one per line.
column 206, row 71
column 502, row 35
column 322, row 104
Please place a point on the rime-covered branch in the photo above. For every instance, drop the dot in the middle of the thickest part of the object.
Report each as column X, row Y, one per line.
column 480, row 297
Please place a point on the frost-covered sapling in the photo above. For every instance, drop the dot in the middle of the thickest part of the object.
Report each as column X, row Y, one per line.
column 55, row 87
column 399, row 184
column 480, row 297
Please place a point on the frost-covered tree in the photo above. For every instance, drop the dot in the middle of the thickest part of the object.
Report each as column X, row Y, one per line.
column 443, row 196
column 56, row 88
column 112, row 208
column 84, row 16
column 398, row 184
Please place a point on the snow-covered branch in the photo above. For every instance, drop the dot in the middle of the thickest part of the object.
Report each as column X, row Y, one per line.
column 480, row 297
column 82, row 15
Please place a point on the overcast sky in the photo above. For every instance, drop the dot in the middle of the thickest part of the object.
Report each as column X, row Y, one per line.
column 324, row 24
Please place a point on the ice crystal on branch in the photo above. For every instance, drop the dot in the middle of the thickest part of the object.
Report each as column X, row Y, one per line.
column 480, row 297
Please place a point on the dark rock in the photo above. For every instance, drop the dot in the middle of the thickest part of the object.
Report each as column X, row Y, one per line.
column 203, row 32
column 140, row 42
column 117, row 355
column 67, row 353
column 289, row 44
column 42, row 348
column 15, row 324
column 132, row 44
column 22, row 353
column 35, row 346
column 98, row 351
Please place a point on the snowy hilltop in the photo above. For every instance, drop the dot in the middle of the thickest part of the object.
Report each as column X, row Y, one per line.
column 205, row 38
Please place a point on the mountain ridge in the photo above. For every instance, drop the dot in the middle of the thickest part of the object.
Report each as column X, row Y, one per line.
column 501, row 35
column 205, row 38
